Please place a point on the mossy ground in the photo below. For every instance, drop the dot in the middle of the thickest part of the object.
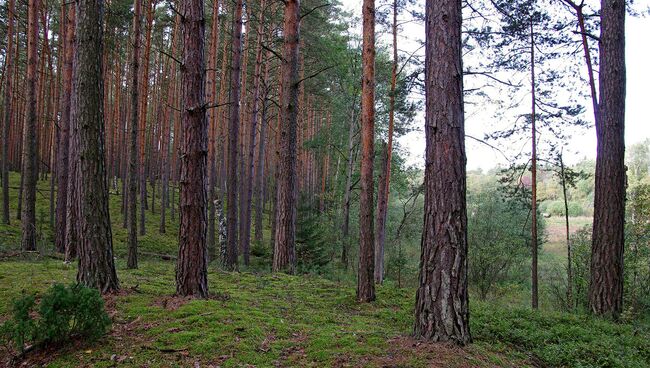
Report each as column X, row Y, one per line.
column 251, row 319
column 264, row 320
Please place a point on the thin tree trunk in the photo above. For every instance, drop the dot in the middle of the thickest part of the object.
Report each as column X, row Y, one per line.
column 30, row 143
column 365, row 276
column 348, row 193
column 96, row 267
column 533, row 227
column 8, row 113
column 608, row 239
column 144, row 100
column 383, row 192
column 569, row 269
column 132, row 200
column 192, row 264
column 233, row 131
column 259, row 174
column 442, row 305
column 212, row 123
column 245, row 235
column 64, row 129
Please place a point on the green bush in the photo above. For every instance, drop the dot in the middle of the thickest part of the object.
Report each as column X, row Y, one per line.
column 562, row 339
column 63, row 313
column 556, row 208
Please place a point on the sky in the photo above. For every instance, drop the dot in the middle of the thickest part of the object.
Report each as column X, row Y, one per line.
column 582, row 145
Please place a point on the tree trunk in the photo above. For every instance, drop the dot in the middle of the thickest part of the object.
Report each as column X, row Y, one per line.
column 383, row 192
column 441, row 306
column 142, row 117
column 260, row 172
column 192, row 264
column 8, row 113
column 213, row 121
column 348, row 192
column 569, row 268
column 365, row 277
column 606, row 287
column 533, row 163
column 245, row 235
column 132, row 201
column 233, row 143
column 96, row 267
column 63, row 138
column 284, row 251
column 30, row 143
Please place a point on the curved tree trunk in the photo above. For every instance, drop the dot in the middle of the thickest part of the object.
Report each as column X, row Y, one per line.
column 606, row 287
column 441, row 306
column 96, row 267
column 192, row 264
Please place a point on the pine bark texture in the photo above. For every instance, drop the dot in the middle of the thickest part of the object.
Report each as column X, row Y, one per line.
column 132, row 201
column 192, row 264
column 284, row 251
column 233, row 143
column 365, row 277
column 63, row 133
column 383, row 191
column 96, row 267
column 8, row 98
column 441, row 307
column 606, row 287
column 30, row 148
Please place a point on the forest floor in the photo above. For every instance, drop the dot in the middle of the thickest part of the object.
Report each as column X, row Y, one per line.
column 263, row 320
column 256, row 319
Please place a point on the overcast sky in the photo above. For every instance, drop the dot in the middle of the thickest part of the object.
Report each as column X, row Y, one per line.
column 637, row 119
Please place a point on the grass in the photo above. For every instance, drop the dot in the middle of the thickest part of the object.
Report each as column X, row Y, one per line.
column 268, row 320
column 265, row 320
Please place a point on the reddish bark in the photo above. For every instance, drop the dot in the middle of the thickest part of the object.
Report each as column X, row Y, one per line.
column 284, row 252
column 192, row 264
column 365, row 277
column 441, row 306
column 608, row 239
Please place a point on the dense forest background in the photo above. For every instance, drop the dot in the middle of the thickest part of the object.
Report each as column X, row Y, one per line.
column 299, row 170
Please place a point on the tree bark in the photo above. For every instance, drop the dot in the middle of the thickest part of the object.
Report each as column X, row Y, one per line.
column 533, row 163
column 365, row 277
column 233, row 143
column 284, row 249
column 606, row 287
column 63, row 132
column 441, row 306
column 569, row 267
column 132, row 201
column 245, row 235
column 96, row 267
column 383, row 192
column 260, row 172
column 30, row 143
column 8, row 113
column 192, row 264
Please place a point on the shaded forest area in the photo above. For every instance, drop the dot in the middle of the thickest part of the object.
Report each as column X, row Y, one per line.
column 227, row 183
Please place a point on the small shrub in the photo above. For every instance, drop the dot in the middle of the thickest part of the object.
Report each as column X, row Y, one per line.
column 63, row 313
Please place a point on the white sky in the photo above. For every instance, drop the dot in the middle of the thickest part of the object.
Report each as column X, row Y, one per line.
column 583, row 145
